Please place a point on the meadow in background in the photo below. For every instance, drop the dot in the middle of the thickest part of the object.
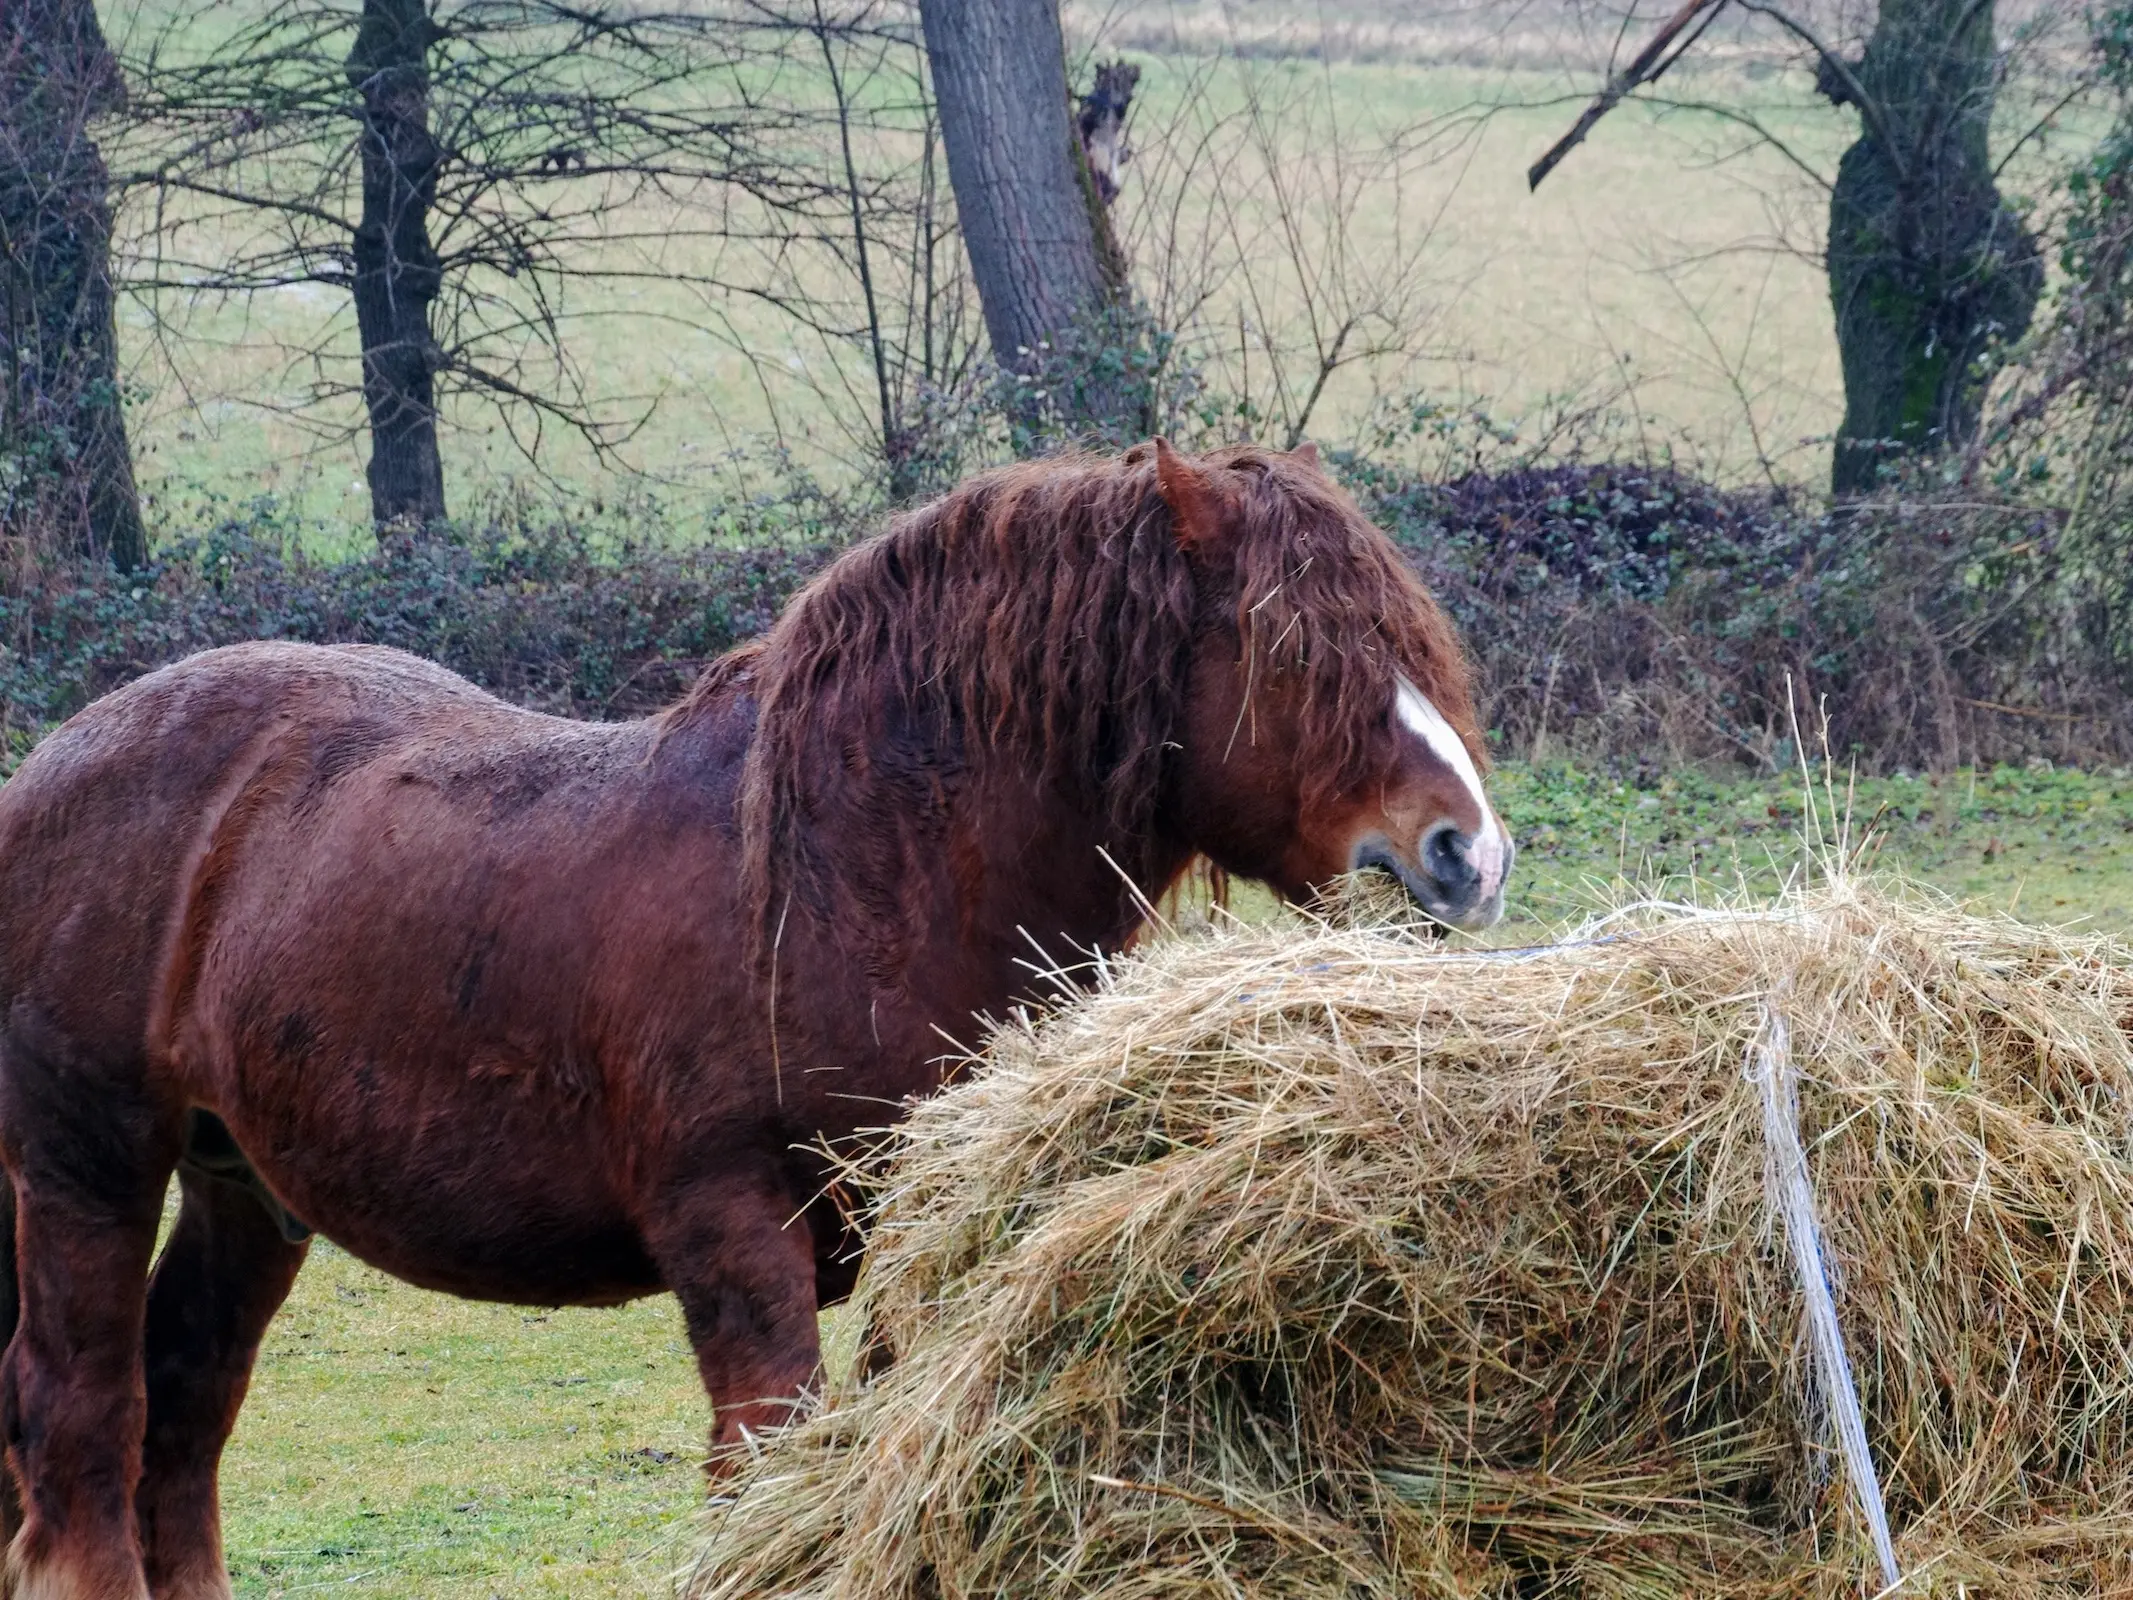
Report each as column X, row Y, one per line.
column 1666, row 292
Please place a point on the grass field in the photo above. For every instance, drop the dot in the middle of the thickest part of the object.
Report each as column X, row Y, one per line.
column 398, row 1443
column 2051, row 846
column 403, row 1443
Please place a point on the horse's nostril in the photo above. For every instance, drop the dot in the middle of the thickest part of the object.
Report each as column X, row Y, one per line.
column 1444, row 856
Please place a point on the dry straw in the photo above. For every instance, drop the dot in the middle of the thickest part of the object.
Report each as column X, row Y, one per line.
column 1333, row 1264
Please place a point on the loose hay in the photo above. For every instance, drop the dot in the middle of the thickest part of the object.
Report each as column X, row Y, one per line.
column 1331, row 1264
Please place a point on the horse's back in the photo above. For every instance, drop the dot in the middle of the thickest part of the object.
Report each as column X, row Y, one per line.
column 171, row 736
column 103, row 826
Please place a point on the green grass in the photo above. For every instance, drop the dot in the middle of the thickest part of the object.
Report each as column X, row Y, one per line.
column 2050, row 846
column 404, row 1443
column 401, row 1443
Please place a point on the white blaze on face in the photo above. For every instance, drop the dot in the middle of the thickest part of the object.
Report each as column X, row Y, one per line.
column 1427, row 723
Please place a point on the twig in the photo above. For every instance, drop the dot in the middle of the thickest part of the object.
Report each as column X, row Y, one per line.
column 2019, row 711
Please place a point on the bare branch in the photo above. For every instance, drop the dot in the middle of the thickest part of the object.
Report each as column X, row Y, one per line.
column 1645, row 67
column 1841, row 70
column 580, row 141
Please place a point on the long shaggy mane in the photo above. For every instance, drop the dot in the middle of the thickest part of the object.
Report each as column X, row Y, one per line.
column 1045, row 613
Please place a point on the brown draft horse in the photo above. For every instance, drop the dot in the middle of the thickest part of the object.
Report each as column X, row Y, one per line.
column 538, row 1011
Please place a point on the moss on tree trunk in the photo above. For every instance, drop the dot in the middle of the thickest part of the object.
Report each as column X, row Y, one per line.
column 1928, row 267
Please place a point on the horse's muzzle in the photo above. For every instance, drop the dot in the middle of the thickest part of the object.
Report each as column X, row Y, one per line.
column 1445, row 876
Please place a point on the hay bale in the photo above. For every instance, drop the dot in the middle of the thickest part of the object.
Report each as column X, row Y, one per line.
column 1330, row 1264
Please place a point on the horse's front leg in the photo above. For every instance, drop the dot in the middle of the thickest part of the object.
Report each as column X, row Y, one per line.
column 738, row 1253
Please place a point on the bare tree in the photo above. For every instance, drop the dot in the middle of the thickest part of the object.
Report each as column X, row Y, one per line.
column 901, row 340
column 1032, row 218
column 1267, row 251
column 453, row 165
column 1929, row 267
column 396, row 272
column 475, row 159
column 1265, row 271
column 66, row 479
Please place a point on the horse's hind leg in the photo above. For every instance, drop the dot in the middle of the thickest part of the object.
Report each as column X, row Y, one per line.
column 89, row 1171
column 224, row 1272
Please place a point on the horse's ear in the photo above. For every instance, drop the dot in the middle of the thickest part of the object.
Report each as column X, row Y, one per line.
column 1185, row 488
column 1307, row 453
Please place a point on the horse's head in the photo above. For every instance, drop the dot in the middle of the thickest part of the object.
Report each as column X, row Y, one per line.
column 1329, row 726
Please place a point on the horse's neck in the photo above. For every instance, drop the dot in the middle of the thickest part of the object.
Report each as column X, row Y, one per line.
column 1054, row 872
column 1012, row 877
column 949, row 881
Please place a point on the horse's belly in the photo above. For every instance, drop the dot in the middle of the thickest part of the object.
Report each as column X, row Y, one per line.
column 473, row 1252
column 552, row 1267
column 489, row 1207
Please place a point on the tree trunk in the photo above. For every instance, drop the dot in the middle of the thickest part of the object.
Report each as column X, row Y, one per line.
column 1030, row 215
column 1928, row 267
column 66, row 474
column 397, row 273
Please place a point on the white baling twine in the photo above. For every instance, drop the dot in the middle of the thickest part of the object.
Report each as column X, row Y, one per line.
column 1770, row 1067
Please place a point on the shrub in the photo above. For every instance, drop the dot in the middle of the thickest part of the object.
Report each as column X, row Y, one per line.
column 1637, row 614
column 559, row 615
column 1620, row 613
